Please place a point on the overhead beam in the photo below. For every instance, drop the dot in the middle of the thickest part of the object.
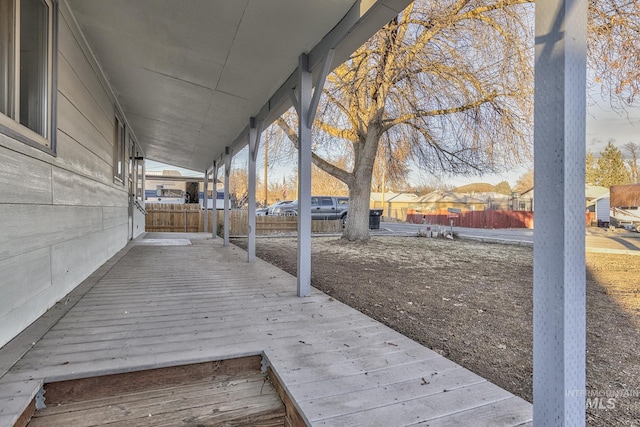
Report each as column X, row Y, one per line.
column 361, row 21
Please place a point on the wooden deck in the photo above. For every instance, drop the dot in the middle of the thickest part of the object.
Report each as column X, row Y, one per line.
column 163, row 303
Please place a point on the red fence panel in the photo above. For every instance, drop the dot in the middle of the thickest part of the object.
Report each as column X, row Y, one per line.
column 477, row 219
column 590, row 217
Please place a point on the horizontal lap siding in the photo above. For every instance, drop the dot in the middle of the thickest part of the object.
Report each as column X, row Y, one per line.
column 62, row 216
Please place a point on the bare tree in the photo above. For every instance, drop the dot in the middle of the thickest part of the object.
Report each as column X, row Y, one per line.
column 447, row 84
column 324, row 184
column 614, row 49
column 633, row 150
column 238, row 186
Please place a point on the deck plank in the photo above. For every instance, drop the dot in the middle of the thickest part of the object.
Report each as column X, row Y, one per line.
column 423, row 408
column 201, row 401
column 162, row 306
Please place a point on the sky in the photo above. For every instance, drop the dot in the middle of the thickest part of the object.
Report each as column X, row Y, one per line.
column 602, row 124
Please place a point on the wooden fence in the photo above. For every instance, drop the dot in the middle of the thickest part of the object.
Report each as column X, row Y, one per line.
column 190, row 218
column 167, row 217
column 477, row 219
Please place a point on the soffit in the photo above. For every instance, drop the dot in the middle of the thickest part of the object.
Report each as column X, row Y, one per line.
column 188, row 75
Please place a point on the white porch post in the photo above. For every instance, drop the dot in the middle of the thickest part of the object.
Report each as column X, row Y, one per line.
column 205, row 202
column 214, row 213
column 559, row 243
column 254, row 143
column 227, row 174
column 303, row 92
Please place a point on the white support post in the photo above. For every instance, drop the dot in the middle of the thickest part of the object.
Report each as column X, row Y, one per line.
column 214, row 213
column 304, row 93
column 559, row 239
column 254, row 144
column 227, row 174
column 205, row 202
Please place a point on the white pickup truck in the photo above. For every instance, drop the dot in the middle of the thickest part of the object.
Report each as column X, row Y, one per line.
column 322, row 207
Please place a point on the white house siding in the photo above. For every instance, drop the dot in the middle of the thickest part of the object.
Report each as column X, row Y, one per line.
column 602, row 209
column 60, row 217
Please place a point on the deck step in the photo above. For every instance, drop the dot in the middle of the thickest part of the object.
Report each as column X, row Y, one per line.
column 230, row 393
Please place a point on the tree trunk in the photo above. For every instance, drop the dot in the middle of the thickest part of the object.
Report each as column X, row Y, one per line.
column 357, row 227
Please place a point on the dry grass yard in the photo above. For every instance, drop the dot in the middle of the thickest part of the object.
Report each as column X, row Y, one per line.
column 472, row 302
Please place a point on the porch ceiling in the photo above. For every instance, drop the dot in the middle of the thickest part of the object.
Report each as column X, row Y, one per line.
column 189, row 74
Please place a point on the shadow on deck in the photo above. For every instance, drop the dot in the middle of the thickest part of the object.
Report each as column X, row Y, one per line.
column 168, row 300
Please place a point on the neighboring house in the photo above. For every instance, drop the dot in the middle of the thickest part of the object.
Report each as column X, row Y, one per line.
column 523, row 201
column 593, row 192
column 601, row 207
column 170, row 186
column 442, row 200
column 494, row 201
column 625, row 206
column 393, row 205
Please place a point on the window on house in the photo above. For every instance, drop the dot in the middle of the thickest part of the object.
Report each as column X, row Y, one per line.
column 27, row 64
column 118, row 150
column 129, row 156
column 139, row 178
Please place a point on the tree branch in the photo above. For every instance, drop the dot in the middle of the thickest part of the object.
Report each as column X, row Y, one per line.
column 323, row 164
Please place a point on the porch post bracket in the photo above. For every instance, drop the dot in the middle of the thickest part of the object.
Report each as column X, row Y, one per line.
column 319, row 86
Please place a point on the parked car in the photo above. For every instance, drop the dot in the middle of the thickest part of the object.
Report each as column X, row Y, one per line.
column 322, row 207
column 261, row 211
column 271, row 208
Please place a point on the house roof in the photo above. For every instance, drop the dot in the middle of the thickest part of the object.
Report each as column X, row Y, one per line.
column 594, row 191
column 486, row 195
column 449, row 197
column 393, row 197
column 189, row 75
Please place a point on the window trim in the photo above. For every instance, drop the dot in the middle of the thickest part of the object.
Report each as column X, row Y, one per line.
column 139, row 176
column 14, row 129
column 119, row 148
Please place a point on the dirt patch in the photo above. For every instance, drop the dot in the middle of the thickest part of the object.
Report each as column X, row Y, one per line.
column 472, row 302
